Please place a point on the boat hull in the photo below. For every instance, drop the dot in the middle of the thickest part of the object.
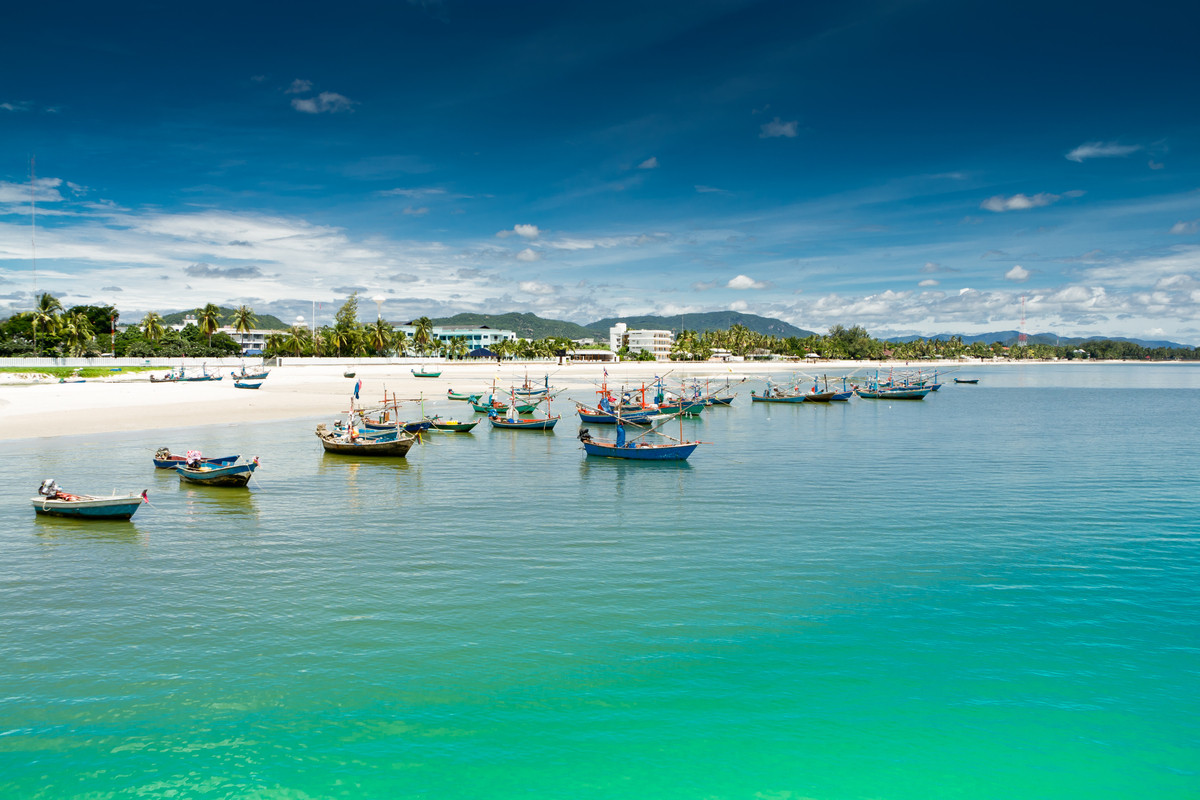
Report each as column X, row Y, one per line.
column 525, row 424
column 87, row 507
column 426, row 374
column 248, row 384
column 389, row 444
column 894, row 394
column 172, row 461
column 791, row 398
column 455, row 427
column 653, row 452
column 234, row 475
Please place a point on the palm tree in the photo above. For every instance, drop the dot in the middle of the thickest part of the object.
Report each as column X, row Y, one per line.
column 244, row 319
column 79, row 331
column 400, row 343
column 423, row 335
column 380, row 335
column 209, row 318
column 44, row 316
column 152, row 327
column 297, row 338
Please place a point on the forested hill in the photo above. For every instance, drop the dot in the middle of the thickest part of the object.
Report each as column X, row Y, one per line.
column 264, row 322
column 527, row 326
column 708, row 321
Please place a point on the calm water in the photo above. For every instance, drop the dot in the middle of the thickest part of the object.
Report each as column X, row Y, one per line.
column 991, row 593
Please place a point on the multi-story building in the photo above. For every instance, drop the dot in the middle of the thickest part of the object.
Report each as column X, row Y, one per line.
column 657, row 343
column 483, row 336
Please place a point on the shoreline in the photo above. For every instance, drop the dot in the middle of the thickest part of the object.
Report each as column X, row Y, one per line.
column 127, row 403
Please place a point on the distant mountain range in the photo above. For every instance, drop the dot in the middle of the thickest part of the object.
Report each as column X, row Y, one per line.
column 531, row 326
column 1009, row 338
column 265, row 322
column 709, row 321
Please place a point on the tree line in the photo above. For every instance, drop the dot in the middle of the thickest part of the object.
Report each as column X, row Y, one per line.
column 51, row 329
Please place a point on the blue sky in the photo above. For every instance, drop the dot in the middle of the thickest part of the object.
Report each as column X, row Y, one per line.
column 913, row 167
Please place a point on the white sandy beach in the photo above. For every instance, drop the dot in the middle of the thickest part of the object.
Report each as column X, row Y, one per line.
column 131, row 403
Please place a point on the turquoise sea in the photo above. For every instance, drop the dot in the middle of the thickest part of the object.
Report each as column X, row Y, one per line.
column 992, row 593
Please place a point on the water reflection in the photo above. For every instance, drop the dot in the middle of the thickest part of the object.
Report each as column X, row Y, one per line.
column 63, row 530
column 221, row 501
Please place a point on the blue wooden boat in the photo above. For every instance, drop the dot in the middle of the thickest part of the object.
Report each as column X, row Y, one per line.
column 894, row 394
column 522, row 424
column 249, row 376
column 165, row 459
column 218, row 475
column 966, row 380
column 640, row 451
column 248, row 384
column 416, row 426
column 53, row 502
column 600, row 417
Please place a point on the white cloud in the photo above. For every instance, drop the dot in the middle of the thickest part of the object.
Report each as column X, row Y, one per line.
column 45, row 190
column 1017, row 274
column 1019, row 202
column 536, row 287
column 526, row 231
column 22, row 106
column 416, row 212
column 738, row 305
column 1155, row 164
column 1101, row 150
column 1185, row 227
column 412, row 193
column 649, row 163
column 701, row 189
column 528, row 254
column 299, row 86
column 777, row 128
column 745, row 282
column 928, row 282
column 324, row 103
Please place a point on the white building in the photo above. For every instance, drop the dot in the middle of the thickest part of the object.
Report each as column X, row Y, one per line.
column 657, row 343
column 251, row 341
column 483, row 336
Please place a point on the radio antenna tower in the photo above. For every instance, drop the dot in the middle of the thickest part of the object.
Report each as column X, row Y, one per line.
column 1022, row 339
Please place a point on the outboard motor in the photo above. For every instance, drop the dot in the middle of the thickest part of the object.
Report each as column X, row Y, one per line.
column 585, row 435
column 48, row 488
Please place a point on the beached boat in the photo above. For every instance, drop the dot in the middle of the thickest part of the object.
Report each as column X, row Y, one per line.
column 426, row 373
column 74, row 377
column 249, row 376
column 53, row 502
column 165, row 459
column 182, row 377
column 348, row 373
column 248, row 384
column 387, row 443
column 218, row 475
column 639, row 451
column 966, row 380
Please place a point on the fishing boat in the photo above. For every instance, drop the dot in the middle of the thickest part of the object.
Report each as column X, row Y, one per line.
column 500, row 408
column 249, row 376
column 74, row 377
column 911, row 393
column 426, row 373
column 248, row 384
column 165, row 459
column 528, row 390
column 217, row 475
column 966, row 380
column 348, row 373
column 517, row 424
column 453, row 395
column 181, row 376
column 453, row 425
column 53, row 502
column 774, row 394
column 637, row 451
column 388, row 443
column 602, row 416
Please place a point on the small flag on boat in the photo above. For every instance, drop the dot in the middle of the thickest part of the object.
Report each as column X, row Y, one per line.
column 357, row 388
column 145, row 496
